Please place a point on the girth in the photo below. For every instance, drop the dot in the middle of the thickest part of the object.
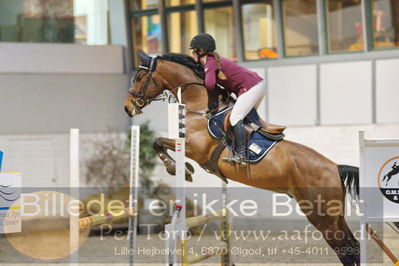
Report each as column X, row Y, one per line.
column 211, row 166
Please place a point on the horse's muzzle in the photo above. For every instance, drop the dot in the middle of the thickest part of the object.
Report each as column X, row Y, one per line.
column 128, row 111
column 133, row 110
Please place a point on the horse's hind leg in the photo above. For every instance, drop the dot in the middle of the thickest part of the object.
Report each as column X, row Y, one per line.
column 328, row 219
column 351, row 238
column 339, row 238
column 341, row 242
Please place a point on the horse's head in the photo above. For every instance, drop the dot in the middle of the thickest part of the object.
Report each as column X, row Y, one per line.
column 146, row 85
column 161, row 78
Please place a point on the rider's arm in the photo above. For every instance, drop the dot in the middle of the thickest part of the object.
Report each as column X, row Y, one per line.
column 210, row 73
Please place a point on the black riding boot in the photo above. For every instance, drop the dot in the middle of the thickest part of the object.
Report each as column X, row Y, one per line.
column 240, row 143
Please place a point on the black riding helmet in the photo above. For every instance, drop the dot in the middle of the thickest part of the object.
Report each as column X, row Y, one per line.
column 203, row 41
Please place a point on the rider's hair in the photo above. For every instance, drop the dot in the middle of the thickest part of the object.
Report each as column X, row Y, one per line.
column 214, row 54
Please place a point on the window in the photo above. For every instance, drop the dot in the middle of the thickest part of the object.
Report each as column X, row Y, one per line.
column 147, row 34
column 219, row 23
column 210, row 1
column 179, row 2
column 55, row 21
column 345, row 26
column 300, row 27
column 182, row 26
column 143, row 4
column 259, row 31
column 385, row 23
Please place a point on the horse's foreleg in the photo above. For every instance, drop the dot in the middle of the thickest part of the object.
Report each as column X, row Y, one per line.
column 161, row 148
column 387, row 177
column 384, row 178
column 161, row 145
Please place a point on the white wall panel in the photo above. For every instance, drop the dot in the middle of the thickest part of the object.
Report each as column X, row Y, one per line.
column 387, row 91
column 60, row 58
column 292, row 94
column 43, row 159
column 345, row 90
column 38, row 103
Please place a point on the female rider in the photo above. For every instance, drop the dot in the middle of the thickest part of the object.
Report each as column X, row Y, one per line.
column 246, row 84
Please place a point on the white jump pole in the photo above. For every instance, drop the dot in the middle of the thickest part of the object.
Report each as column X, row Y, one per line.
column 74, row 186
column 176, row 231
column 134, row 186
column 181, row 230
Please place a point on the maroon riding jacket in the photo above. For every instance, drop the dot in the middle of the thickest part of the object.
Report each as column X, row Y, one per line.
column 239, row 79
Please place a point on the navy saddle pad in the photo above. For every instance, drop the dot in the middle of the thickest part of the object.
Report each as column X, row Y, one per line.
column 258, row 145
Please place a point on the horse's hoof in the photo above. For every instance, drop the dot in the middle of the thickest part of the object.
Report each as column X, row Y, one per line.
column 171, row 169
column 189, row 178
column 189, row 168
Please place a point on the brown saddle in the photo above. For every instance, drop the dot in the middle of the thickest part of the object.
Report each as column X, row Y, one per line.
column 266, row 127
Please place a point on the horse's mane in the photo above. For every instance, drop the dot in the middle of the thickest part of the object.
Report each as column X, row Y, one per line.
column 186, row 61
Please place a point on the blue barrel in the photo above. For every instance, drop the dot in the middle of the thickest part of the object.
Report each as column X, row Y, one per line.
column 1, row 159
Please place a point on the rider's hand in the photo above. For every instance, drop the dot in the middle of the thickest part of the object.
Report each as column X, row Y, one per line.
column 212, row 106
column 210, row 113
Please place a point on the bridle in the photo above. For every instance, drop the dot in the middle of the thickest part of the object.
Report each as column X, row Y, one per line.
column 141, row 101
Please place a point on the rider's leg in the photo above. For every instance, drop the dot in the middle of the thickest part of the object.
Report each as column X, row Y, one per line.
column 246, row 102
column 242, row 107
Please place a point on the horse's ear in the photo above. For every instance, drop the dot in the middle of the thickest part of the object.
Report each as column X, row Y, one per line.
column 141, row 53
column 144, row 58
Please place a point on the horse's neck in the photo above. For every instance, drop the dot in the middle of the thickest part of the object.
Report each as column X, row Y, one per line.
column 195, row 97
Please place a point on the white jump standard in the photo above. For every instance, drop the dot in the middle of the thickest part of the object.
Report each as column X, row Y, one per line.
column 176, row 231
column 379, row 159
column 101, row 218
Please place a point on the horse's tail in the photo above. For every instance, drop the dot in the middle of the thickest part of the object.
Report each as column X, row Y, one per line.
column 350, row 179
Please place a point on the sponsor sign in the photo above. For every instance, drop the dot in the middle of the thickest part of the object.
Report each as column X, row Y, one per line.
column 10, row 193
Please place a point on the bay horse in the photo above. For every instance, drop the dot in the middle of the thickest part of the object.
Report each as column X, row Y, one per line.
column 289, row 167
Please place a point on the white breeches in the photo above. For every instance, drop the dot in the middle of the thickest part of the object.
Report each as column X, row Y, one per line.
column 246, row 102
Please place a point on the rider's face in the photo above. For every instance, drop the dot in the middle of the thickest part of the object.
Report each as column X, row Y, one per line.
column 196, row 53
